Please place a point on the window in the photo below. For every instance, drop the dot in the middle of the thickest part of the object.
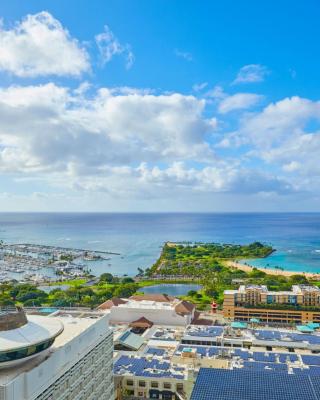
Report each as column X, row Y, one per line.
column 179, row 387
column 129, row 382
column 142, row 384
column 167, row 385
column 25, row 352
column 154, row 384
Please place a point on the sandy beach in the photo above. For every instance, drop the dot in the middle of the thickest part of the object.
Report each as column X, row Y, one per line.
column 248, row 268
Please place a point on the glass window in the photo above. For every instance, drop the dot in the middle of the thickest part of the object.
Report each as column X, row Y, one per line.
column 26, row 352
column 154, row 384
column 179, row 386
column 142, row 383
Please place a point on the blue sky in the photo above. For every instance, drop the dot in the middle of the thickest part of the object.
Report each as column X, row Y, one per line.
column 159, row 106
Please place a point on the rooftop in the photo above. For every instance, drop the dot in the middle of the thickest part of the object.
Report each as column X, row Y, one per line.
column 162, row 298
column 149, row 366
column 221, row 384
column 130, row 340
column 37, row 329
column 72, row 327
column 203, row 331
column 262, row 288
column 115, row 301
column 142, row 304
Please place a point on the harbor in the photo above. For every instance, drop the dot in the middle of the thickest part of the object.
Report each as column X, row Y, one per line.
column 38, row 263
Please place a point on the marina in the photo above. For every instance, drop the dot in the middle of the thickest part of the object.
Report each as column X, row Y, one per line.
column 38, row 263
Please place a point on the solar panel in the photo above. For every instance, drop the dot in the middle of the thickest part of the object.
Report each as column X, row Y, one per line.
column 220, row 384
column 264, row 357
column 204, row 331
column 143, row 367
column 155, row 351
column 263, row 366
column 310, row 359
column 284, row 357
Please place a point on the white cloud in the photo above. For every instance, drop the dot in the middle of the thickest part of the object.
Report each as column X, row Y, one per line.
column 279, row 121
column 183, row 54
column 216, row 93
column 130, row 143
column 238, row 101
column 48, row 128
column 121, row 141
column 152, row 182
column 40, row 46
column 197, row 87
column 110, row 46
column 286, row 136
column 251, row 73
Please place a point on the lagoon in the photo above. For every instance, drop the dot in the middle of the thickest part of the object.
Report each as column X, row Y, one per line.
column 171, row 289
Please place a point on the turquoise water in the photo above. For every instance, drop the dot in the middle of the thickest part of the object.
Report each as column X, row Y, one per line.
column 178, row 289
column 139, row 237
column 48, row 289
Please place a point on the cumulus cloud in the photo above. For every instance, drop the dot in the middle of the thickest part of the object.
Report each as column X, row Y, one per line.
column 238, row 101
column 286, row 136
column 110, row 46
column 177, row 178
column 48, row 128
column 251, row 73
column 279, row 121
column 40, row 46
column 120, row 141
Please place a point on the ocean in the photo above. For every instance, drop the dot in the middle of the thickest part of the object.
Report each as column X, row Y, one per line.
column 138, row 237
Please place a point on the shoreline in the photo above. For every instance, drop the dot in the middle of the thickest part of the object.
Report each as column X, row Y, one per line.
column 271, row 271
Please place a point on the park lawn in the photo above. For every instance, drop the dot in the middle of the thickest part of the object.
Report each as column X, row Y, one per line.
column 73, row 282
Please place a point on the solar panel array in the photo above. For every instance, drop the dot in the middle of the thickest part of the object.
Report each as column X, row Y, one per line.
column 267, row 334
column 246, row 355
column 316, row 385
column 221, row 384
column 310, row 359
column 312, row 371
column 293, row 336
column 264, row 357
column 204, row 331
column 141, row 366
column 155, row 351
column 284, row 357
column 264, row 366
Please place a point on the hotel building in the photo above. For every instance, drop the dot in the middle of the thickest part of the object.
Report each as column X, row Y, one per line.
column 301, row 304
column 62, row 356
column 158, row 309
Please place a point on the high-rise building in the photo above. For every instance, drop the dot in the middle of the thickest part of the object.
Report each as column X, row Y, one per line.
column 301, row 304
column 62, row 356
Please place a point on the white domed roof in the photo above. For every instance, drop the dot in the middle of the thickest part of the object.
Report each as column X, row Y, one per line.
column 37, row 330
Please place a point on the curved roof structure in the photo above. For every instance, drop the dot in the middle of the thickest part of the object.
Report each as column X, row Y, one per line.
column 30, row 333
column 24, row 341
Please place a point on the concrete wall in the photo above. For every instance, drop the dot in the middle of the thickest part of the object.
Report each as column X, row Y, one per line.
column 157, row 316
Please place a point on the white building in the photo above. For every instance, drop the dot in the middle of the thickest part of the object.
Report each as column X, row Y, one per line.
column 56, row 357
column 160, row 312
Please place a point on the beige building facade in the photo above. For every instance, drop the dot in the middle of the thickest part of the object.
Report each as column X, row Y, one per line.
column 301, row 304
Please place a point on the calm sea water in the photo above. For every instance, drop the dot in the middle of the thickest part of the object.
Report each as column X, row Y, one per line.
column 139, row 237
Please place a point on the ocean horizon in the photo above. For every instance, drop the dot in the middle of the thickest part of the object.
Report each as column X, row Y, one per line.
column 138, row 237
